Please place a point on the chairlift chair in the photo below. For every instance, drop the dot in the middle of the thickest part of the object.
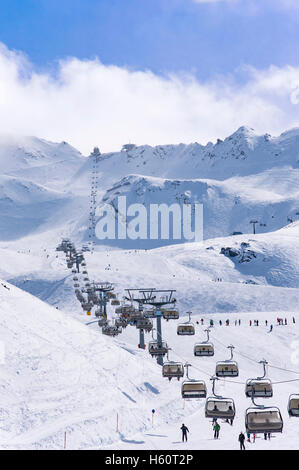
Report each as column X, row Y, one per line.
column 149, row 313
column 144, row 324
column 170, row 314
column 260, row 388
column 172, row 370
column 293, row 405
column 155, row 350
column 121, row 322
column 219, row 407
column 263, row 420
column 111, row 330
column 194, row 389
column 228, row 368
column 205, row 348
column 187, row 328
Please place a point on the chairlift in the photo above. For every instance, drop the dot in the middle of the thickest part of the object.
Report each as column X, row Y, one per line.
column 293, row 405
column 144, row 324
column 121, row 322
column 149, row 313
column 170, row 314
column 259, row 387
column 111, row 330
column 228, row 368
column 192, row 388
column 115, row 302
column 205, row 348
column 219, row 407
column 157, row 350
column 187, row 328
column 263, row 420
column 171, row 369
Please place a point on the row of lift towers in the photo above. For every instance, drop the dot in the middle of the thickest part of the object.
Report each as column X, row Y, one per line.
column 99, row 294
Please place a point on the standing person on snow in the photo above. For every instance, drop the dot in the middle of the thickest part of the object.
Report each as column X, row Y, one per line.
column 184, row 430
column 216, row 430
column 241, row 440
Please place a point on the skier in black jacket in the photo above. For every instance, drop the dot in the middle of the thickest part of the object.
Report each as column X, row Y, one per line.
column 241, row 440
column 184, row 430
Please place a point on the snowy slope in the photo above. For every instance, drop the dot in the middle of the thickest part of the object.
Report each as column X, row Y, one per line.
column 38, row 160
column 228, row 274
column 252, row 344
column 58, row 375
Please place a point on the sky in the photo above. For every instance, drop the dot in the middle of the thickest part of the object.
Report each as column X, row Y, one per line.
column 106, row 72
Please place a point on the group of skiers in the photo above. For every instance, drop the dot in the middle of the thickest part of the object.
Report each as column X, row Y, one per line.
column 280, row 321
column 216, row 429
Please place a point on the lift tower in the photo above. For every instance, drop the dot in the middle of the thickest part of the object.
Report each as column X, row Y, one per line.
column 158, row 298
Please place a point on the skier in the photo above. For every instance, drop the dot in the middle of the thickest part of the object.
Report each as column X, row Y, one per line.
column 294, row 321
column 211, row 322
column 250, row 323
column 201, row 321
column 239, row 322
column 266, row 322
column 241, row 440
column 257, row 323
column 184, row 430
column 285, row 321
column 216, row 430
column 271, row 328
column 220, row 322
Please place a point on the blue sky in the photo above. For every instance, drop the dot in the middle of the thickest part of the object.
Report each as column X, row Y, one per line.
column 106, row 72
column 161, row 35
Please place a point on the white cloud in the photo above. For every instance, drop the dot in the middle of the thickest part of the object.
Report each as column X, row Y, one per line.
column 88, row 104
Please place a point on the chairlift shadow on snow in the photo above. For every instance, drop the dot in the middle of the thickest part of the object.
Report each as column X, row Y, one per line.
column 130, row 441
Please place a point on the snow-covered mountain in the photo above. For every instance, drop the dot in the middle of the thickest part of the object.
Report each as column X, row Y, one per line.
column 241, row 154
column 61, row 375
